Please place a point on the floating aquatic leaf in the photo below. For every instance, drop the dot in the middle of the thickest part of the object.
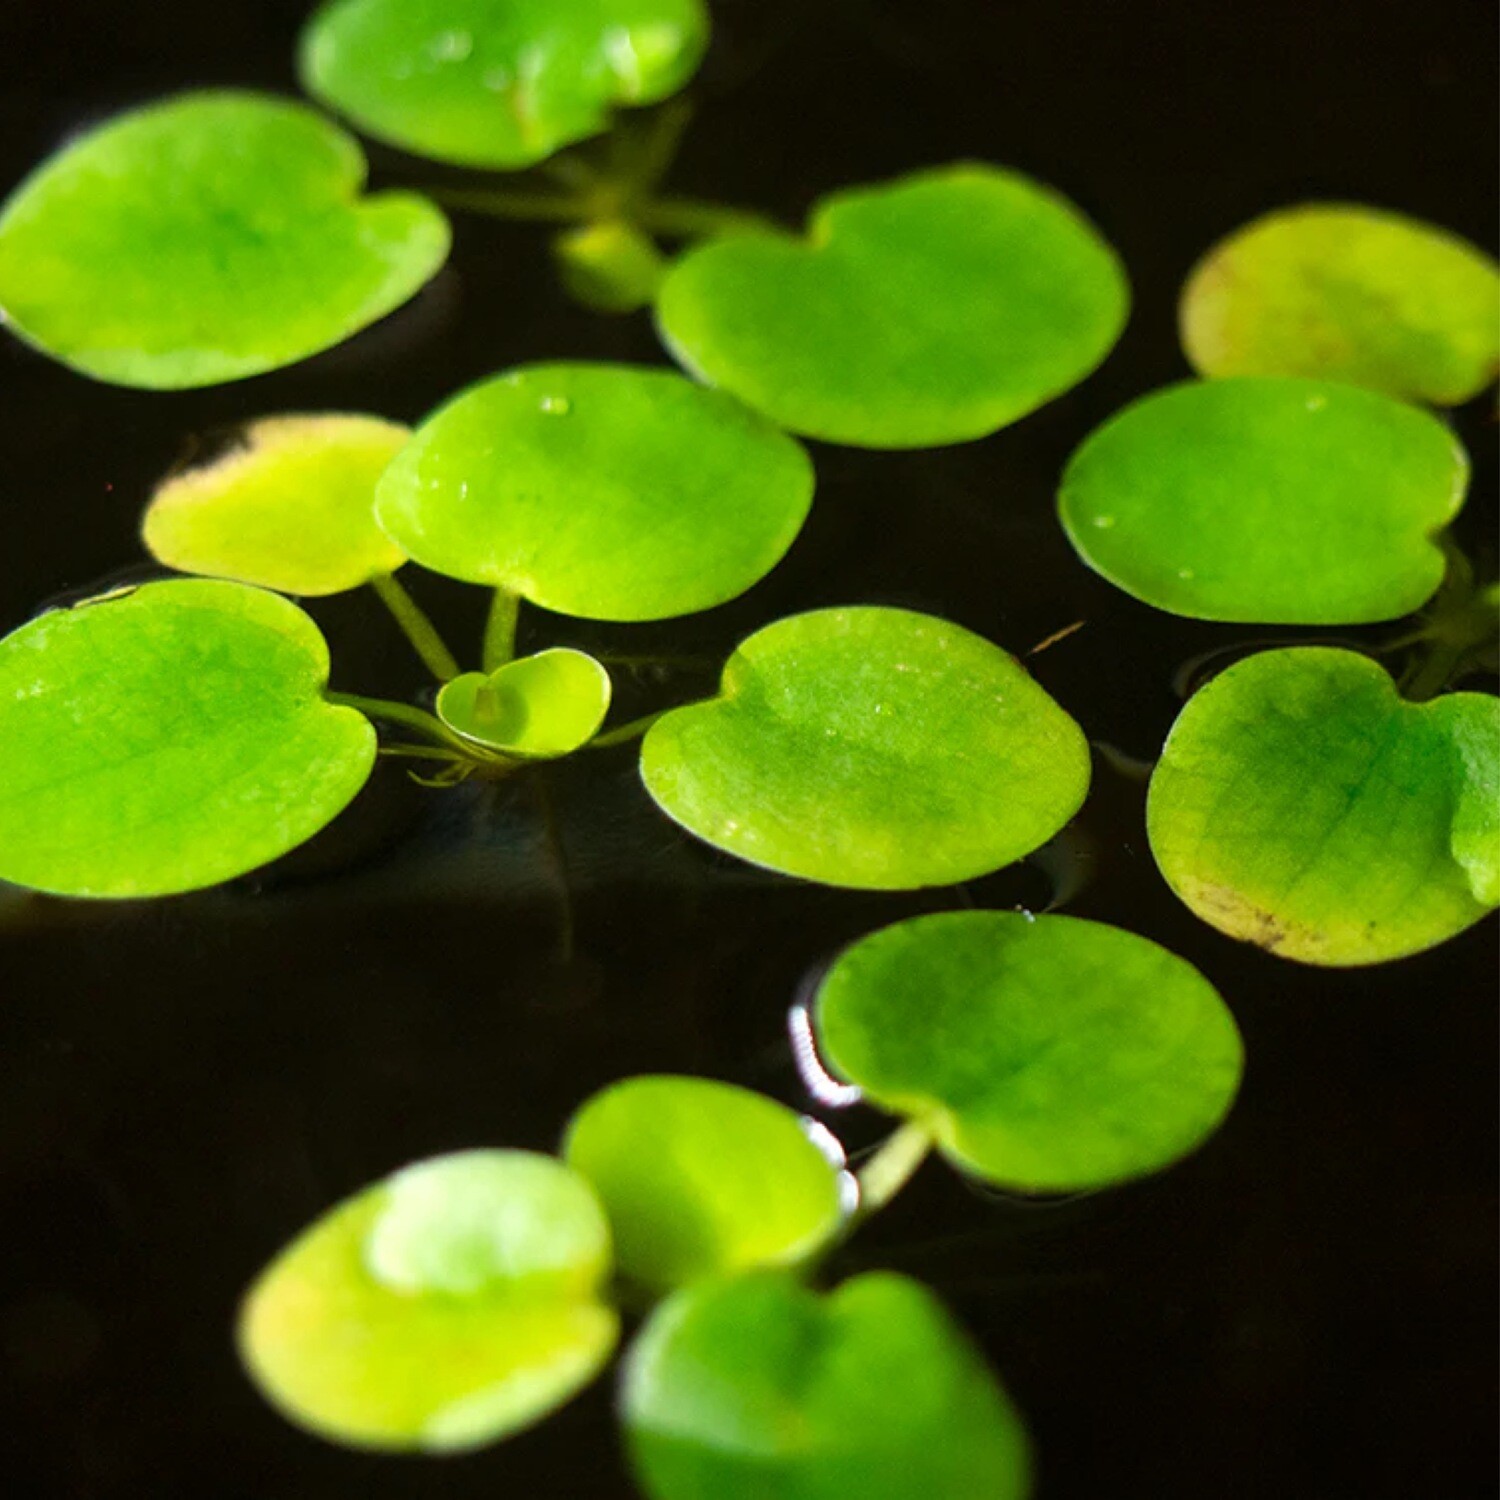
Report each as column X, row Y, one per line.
column 701, row 1178
column 870, row 747
column 1294, row 502
column 291, row 506
column 536, row 707
column 497, row 83
column 1300, row 804
column 1045, row 1053
column 166, row 738
column 932, row 309
column 755, row 1387
column 607, row 491
column 443, row 1308
column 1351, row 293
column 206, row 238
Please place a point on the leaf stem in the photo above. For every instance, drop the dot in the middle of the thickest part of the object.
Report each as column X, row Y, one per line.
column 416, row 627
column 892, row 1166
column 696, row 218
column 500, row 629
column 400, row 713
column 630, row 731
column 507, row 203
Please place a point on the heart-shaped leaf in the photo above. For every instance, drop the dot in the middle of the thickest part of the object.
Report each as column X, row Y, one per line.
column 932, row 309
column 1351, row 293
column 1300, row 804
column 290, row 506
column 1294, row 502
column 166, row 738
column 756, row 1387
column 701, row 1178
column 536, row 707
column 497, row 83
column 607, row 491
column 1046, row 1053
column 870, row 747
column 443, row 1308
column 204, row 239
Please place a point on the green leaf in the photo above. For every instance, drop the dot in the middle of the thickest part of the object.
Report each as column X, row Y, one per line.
column 168, row 737
column 1300, row 804
column 497, row 83
column 1046, row 1053
column 290, row 506
column 1351, row 293
column 204, row 239
column 931, row 309
column 701, row 1178
column 756, row 1387
column 610, row 267
column 443, row 1308
column 606, row 491
column 537, row 707
column 1293, row 502
column 870, row 747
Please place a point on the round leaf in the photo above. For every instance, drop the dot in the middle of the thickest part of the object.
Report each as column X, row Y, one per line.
column 754, row 1387
column 168, row 737
column 204, row 239
column 1351, row 293
column 537, row 707
column 1293, row 502
column 497, row 83
column 441, row 1309
column 606, row 491
column 291, row 506
column 1300, row 804
column 932, row 309
column 1047, row 1054
column 870, row 747
column 701, row 1178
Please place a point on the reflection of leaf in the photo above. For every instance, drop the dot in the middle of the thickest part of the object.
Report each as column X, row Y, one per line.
column 757, row 1387
column 168, row 738
column 207, row 238
column 1301, row 805
column 607, row 491
column 497, row 83
column 1046, row 1054
column 928, row 310
column 870, row 747
column 290, row 507
column 1293, row 502
column 443, row 1308
column 1350, row 293
column 700, row 1178
column 537, row 707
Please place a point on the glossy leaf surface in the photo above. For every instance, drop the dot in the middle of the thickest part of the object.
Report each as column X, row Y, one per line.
column 290, row 506
column 1300, row 804
column 1351, row 293
column 168, row 737
column 932, row 309
column 443, row 1308
column 870, row 747
column 1047, row 1054
column 497, row 83
column 1292, row 502
column 607, row 491
column 536, row 707
column 206, row 238
column 701, row 1178
column 757, row 1387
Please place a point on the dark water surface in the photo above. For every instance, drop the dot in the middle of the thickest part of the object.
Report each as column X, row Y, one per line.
column 1305, row 1310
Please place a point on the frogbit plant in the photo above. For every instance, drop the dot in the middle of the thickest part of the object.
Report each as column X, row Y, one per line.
column 472, row 1294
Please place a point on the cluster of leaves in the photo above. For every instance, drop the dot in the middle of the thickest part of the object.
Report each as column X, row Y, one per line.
column 168, row 737
column 469, row 1295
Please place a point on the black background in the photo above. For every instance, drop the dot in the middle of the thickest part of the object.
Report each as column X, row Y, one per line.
column 1305, row 1309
